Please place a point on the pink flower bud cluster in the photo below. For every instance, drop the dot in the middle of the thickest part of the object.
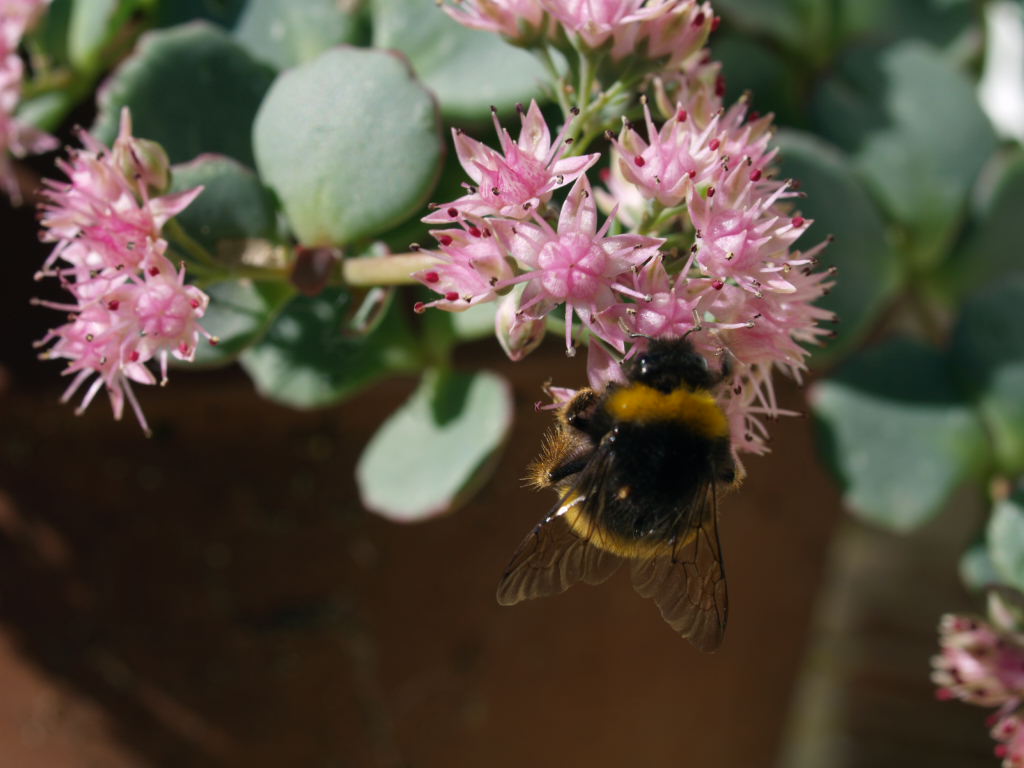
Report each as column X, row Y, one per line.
column 17, row 139
column 982, row 663
column 699, row 183
column 663, row 31
column 129, row 304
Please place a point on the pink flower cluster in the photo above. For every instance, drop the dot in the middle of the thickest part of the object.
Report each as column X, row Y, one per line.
column 130, row 305
column 662, row 31
column 16, row 138
column 982, row 663
column 711, row 245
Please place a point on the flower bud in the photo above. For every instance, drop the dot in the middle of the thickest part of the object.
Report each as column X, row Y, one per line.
column 518, row 335
column 141, row 160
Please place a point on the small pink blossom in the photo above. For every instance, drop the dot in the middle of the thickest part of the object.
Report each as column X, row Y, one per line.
column 518, row 179
column 668, row 31
column 1008, row 730
column 519, row 21
column 17, row 139
column 978, row 663
column 16, row 18
column 471, row 263
column 130, row 304
column 676, row 158
column 577, row 264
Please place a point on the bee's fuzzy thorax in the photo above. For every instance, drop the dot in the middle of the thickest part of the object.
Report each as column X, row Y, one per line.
column 640, row 404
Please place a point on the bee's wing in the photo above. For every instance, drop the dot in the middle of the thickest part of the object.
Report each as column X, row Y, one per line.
column 553, row 557
column 688, row 585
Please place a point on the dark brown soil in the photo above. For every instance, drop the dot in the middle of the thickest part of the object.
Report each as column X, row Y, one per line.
column 215, row 596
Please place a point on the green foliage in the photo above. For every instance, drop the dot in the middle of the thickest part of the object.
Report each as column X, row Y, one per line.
column 192, row 69
column 991, row 249
column 868, row 271
column 349, row 143
column 233, row 204
column 1006, row 541
column 916, row 134
column 988, row 354
column 311, row 356
column 240, row 313
column 467, row 69
column 977, row 570
column 285, row 34
column 429, row 455
column 899, row 433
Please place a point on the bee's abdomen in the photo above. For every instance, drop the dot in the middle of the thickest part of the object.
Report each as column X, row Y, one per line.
column 659, row 470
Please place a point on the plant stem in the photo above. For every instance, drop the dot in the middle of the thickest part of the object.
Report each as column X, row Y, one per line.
column 190, row 245
column 385, row 270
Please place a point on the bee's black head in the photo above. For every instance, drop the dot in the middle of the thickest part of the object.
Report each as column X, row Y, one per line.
column 669, row 364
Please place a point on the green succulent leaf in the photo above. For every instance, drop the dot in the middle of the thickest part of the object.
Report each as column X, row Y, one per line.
column 898, row 433
column 801, row 25
column 937, row 21
column 868, row 274
column 310, row 357
column 469, row 70
column 988, row 355
column 195, row 69
column 435, row 449
column 232, row 206
column 917, row 134
column 1005, row 536
column 284, row 34
column 753, row 66
column 977, row 571
column 350, row 142
column 992, row 247
column 222, row 12
column 239, row 314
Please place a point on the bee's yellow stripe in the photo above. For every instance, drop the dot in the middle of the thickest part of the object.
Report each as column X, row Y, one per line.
column 697, row 409
column 582, row 524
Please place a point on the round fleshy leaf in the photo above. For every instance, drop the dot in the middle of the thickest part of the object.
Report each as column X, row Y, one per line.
column 223, row 12
column 977, row 571
column 753, row 67
column 469, row 70
column 191, row 88
column 988, row 353
column 938, row 21
column 233, row 204
column 868, row 274
column 916, row 132
column 431, row 452
column 992, row 248
column 350, row 143
column 239, row 314
column 1006, row 541
column 897, row 432
column 285, row 34
column 308, row 358
column 799, row 24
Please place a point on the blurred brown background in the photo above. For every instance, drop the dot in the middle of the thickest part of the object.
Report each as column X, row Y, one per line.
column 215, row 596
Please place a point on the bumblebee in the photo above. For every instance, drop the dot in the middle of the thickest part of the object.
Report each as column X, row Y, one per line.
column 638, row 469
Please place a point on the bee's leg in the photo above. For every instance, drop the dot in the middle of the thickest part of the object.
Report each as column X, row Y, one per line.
column 569, row 468
column 578, row 413
column 728, row 469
